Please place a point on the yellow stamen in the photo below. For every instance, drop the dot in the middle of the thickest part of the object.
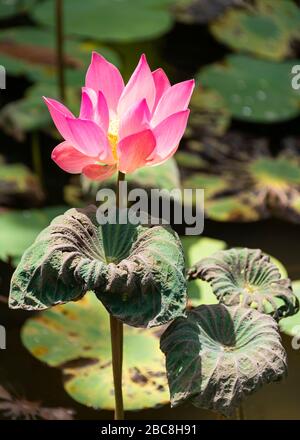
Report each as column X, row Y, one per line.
column 113, row 137
column 113, row 141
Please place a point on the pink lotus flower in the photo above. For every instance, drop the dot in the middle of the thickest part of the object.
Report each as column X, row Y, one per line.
column 121, row 127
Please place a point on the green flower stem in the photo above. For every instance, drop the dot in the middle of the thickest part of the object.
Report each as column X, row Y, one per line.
column 116, row 331
column 60, row 48
column 121, row 178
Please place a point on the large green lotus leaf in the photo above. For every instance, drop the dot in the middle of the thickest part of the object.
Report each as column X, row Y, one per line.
column 31, row 51
column 166, row 176
column 14, row 7
column 218, row 355
column 195, row 248
column 247, row 277
column 136, row 271
column 75, row 337
column 111, row 20
column 267, row 30
column 291, row 324
column 201, row 11
column 19, row 187
column 254, row 90
column 19, row 229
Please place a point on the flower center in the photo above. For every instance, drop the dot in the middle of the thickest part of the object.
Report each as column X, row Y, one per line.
column 113, row 136
column 251, row 290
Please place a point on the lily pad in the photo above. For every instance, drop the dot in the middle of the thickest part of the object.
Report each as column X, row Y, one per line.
column 111, row 20
column 268, row 29
column 291, row 325
column 19, row 229
column 247, row 277
column 243, row 181
column 202, row 11
column 254, row 90
column 82, row 190
column 218, row 355
column 19, row 187
column 195, row 248
column 14, row 7
column 75, row 337
column 136, row 271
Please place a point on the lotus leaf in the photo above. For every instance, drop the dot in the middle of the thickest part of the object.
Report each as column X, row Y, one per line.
column 111, row 20
column 254, row 90
column 75, row 337
column 247, row 277
column 195, row 248
column 14, row 7
column 291, row 325
column 268, row 29
column 218, row 355
column 202, row 11
column 137, row 271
